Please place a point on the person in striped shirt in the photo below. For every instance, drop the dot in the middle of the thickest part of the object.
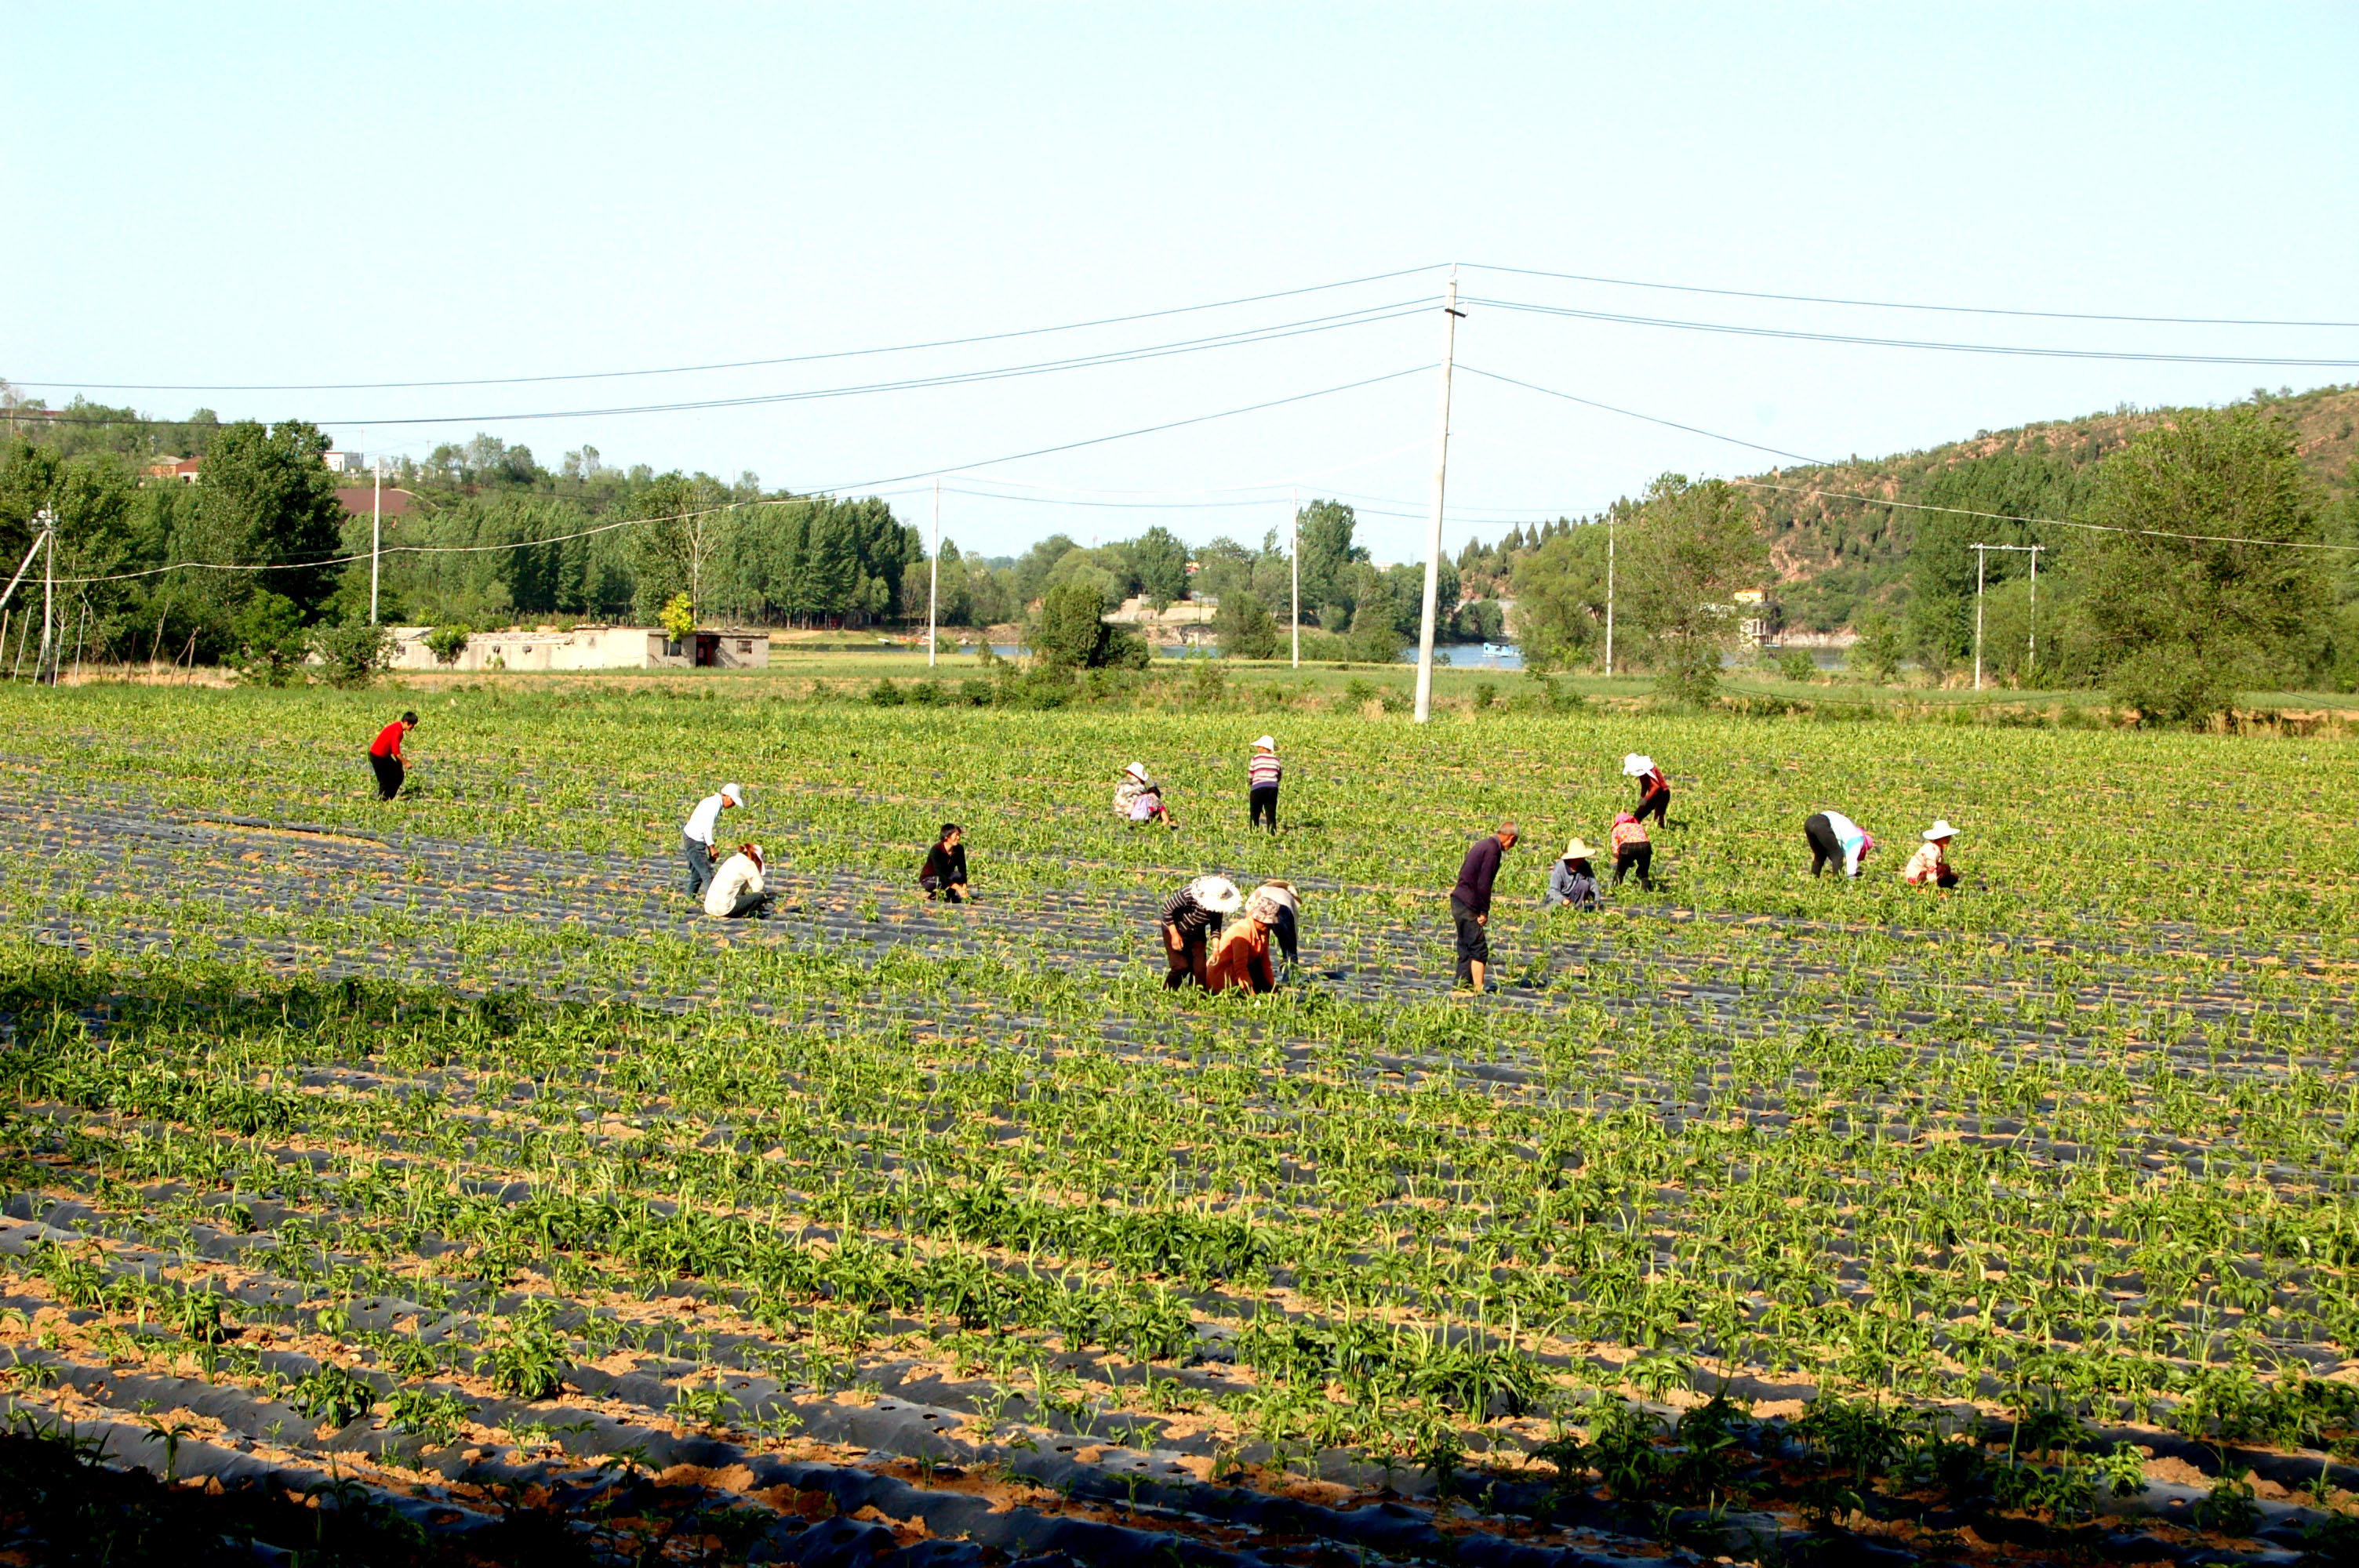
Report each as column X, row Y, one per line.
column 1188, row 920
column 1262, row 774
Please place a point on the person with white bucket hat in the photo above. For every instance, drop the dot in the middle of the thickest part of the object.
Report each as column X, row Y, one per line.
column 1572, row 882
column 1653, row 787
column 1930, row 863
column 1190, row 918
column 1262, row 774
column 699, row 837
column 1138, row 798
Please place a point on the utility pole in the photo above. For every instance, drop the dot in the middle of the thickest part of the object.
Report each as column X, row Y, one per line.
column 1294, row 550
column 2031, row 644
column 1609, row 592
column 48, row 594
column 1449, row 314
column 376, row 535
column 1979, row 559
column 934, row 577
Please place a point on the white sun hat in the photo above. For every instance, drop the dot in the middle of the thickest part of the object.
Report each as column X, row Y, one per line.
column 1266, row 744
column 1940, row 830
column 1216, row 893
column 734, row 793
column 1636, row 766
column 1578, row 850
column 1138, row 771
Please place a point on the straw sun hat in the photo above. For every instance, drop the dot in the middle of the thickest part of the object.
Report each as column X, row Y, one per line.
column 1578, row 850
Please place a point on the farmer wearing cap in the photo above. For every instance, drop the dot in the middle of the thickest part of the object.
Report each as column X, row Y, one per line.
column 1572, row 882
column 1192, row 915
column 1286, row 926
column 1470, row 902
column 1632, row 848
column 944, row 872
column 1138, row 798
column 1930, row 863
column 737, row 890
column 1654, row 789
column 699, row 844
column 1242, row 960
column 1836, row 839
column 1262, row 774
column 385, row 755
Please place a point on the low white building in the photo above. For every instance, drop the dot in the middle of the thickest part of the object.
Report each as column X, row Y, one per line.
column 587, row 648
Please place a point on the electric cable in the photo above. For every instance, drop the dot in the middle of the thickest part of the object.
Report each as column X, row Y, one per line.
column 730, row 364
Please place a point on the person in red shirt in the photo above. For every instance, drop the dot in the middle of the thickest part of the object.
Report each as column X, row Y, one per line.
column 385, row 755
column 1654, row 788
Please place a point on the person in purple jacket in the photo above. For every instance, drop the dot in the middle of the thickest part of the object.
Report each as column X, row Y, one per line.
column 1470, row 903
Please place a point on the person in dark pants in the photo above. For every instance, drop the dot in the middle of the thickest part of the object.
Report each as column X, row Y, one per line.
column 385, row 755
column 1654, row 788
column 1470, row 903
column 699, row 837
column 1836, row 841
column 1261, row 784
column 1188, row 920
column 1632, row 850
column 944, row 875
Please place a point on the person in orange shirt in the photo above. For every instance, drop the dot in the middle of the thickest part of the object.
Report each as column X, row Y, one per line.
column 1632, row 850
column 1243, row 958
column 1930, row 863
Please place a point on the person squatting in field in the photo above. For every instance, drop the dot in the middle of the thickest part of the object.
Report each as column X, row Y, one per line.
column 1632, row 850
column 699, row 837
column 736, row 891
column 1242, row 959
column 385, row 755
column 944, row 875
column 1654, row 788
column 1572, row 884
column 1930, row 863
column 1138, row 798
column 1193, row 915
column 1262, row 774
column 1836, row 839
column 1470, row 903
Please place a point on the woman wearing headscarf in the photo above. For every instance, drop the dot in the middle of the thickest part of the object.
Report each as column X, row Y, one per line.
column 1243, row 958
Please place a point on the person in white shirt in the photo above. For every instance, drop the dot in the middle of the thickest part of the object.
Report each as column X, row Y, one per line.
column 699, row 838
column 1836, row 839
column 737, row 890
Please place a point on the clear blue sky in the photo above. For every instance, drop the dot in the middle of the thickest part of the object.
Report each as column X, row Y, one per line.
column 256, row 194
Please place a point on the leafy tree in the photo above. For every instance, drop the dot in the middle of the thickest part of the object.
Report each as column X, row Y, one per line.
column 1245, row 627
column 1033, row 568
column 1693, row 546
column 2183, row 621
column 1879, row 649
column 1327, row 553
column 673, row 549
column 447, row 643
column 1070, row 632
column 1560, row 600
column 352, row 651
column 1161, row 561
column 271, row 641
column 267, row 499
column 678, row 617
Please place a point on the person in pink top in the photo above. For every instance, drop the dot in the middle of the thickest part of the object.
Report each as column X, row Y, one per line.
column 1930, row 863
column 1632, row 850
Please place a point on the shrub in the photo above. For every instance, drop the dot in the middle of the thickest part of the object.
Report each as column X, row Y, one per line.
column 1796, row 665
column 885, row 694
column 447, row 643
column 1243, row 626
column 353, row 651
column 679, row 618
column 271, row 641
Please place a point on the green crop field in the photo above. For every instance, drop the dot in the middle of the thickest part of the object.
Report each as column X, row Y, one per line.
column 439, row 1151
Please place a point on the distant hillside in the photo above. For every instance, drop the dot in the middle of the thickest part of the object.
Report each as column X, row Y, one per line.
column 1834, row 556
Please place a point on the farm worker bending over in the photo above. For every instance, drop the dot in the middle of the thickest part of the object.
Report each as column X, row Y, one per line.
column 1836, row 837
column 1286, row 928
column 1139, row 798
column 385, row 755
column 1930, row 863
column 1571, row 882
column 1261, row 784
column 736, row 891
column 1243, row 958
column 699, row 837
column 1194, row 913
column 944, row 875
column 1470, row 902
column 1632, row 848
column 1654, row 789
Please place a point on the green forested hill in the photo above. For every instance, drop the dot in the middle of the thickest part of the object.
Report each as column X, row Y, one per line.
column 1835, row 555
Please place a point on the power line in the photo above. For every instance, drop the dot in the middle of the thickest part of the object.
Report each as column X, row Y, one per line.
column 869, row 485
column 1632, row 413
column 1897, row 304
column 730, row 364
column 1369, row 316
column 1796, row 335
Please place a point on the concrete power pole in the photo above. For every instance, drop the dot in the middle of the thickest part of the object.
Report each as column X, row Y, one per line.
column 376, row 535
column 1294, row 550
column 934, row 577
column 48, row 594
column 1980, row 559
column 1609, row 594
column 1449, row 314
